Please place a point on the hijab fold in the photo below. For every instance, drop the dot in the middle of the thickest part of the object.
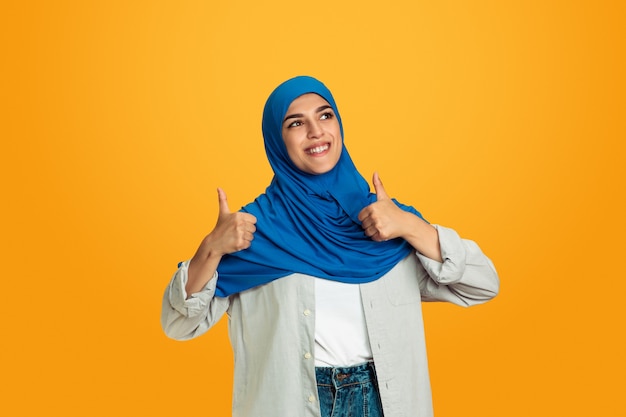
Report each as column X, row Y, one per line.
column 308, row 223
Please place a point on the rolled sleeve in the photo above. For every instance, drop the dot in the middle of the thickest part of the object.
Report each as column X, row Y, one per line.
column 198, row 302
column 453, row 253
column 184, row 318
column 465, row 277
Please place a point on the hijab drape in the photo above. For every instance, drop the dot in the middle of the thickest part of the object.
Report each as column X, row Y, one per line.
column 308, row 223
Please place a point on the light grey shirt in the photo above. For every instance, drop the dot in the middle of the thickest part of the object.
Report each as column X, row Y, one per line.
column 272, row 329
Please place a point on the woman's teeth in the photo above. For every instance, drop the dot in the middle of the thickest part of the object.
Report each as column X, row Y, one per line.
column 318, row 149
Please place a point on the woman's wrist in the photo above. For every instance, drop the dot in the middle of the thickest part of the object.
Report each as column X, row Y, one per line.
column 201, row 269
column 423, row 237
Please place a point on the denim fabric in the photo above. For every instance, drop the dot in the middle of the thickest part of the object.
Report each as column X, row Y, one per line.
column 349, row 392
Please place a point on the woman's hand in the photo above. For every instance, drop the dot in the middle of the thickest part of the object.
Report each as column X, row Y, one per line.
column 232, row 233
column 384, row 220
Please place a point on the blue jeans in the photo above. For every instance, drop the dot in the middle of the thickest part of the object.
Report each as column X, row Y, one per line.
column 349, row 392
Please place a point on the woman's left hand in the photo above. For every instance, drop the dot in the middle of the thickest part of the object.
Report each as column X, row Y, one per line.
column 383, row 220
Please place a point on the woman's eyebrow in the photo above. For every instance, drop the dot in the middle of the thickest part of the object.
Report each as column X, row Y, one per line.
column 293, row 116
column 297, row 115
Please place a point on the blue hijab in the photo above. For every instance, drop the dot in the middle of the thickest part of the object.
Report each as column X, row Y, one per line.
column 308, row 223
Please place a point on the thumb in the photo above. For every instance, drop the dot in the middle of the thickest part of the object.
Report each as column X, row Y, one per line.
column 221, row 196
column 381, row 194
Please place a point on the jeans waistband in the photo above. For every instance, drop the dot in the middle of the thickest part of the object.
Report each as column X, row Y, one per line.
column 342, row 376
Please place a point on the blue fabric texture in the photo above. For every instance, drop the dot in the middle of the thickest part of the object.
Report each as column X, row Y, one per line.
column 308, row 223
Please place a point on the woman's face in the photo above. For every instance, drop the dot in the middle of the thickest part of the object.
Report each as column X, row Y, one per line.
column 312, row 135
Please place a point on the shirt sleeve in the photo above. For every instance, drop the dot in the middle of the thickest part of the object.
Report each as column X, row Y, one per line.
column 465, row 277
column 185, row 318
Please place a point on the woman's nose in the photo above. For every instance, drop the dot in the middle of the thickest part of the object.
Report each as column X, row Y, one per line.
column 315, row 130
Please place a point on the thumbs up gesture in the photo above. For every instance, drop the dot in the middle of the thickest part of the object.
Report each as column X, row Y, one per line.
column 233, row 231
column 382, row 220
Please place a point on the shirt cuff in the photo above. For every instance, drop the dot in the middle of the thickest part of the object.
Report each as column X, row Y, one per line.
column 198, row 301
column 451, row 270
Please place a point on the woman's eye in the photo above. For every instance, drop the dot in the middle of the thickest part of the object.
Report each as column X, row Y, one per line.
column 296, row 123
column 327, row 115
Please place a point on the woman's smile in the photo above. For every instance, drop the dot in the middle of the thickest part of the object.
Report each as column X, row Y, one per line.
column 318, row 150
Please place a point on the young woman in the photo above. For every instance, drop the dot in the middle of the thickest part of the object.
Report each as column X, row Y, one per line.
column 322, row 280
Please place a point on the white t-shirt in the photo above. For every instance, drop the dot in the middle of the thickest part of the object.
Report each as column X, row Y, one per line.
column 340, row 331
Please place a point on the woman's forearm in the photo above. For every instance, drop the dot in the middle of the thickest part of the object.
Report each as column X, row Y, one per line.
column 422, row 236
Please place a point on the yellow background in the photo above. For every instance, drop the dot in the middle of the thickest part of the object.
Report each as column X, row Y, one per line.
column 504, row 120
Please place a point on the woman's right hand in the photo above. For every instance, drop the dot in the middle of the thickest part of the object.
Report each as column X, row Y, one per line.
column 232, row 233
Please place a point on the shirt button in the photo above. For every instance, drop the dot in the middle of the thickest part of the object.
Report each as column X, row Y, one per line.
column 311, row 398
column 307, row 355
column 307, row 312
